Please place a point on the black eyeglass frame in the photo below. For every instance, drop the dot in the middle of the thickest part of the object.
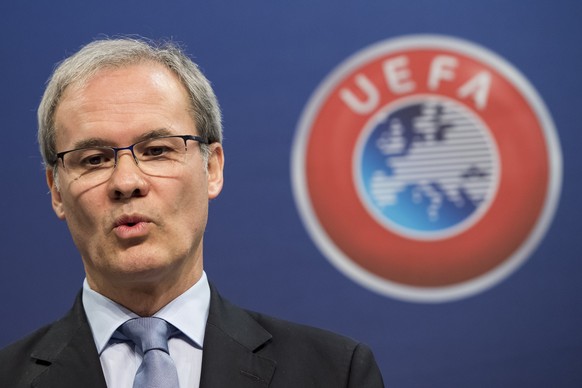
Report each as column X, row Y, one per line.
column 199, row 139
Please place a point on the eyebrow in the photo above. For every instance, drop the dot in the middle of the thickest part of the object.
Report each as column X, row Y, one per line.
column 100, row 142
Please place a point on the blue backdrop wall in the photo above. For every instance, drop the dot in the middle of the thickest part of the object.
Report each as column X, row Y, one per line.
column 265, row 60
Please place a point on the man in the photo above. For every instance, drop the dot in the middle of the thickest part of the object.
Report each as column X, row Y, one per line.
column 130, row 133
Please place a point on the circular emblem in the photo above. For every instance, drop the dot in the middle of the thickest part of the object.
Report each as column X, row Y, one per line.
column 426, row 168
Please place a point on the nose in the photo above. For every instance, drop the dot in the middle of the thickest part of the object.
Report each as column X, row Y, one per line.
column 127, row 180
column 118, row 150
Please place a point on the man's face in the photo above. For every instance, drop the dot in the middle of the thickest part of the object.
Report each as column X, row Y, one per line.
column 134, row 229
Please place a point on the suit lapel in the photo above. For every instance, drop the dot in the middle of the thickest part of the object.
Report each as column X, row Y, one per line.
column 66, row 357
column 231, row 341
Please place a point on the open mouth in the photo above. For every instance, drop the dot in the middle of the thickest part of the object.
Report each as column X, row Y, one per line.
column 129, row 229
column 131, row 226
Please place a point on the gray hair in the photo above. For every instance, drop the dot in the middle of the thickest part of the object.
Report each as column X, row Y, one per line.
column 121, row 52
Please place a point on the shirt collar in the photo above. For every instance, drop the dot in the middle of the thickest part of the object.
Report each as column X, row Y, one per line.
column 188, row 313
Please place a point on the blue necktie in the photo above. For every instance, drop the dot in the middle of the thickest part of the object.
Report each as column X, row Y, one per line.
column 157, row 369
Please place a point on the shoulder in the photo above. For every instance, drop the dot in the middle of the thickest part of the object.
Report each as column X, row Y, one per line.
column 304, row 355
column 243, row 323
column 25, row 360
column 299, row 337
column 303, row 335
column 312, row 352
column 24, row 345
column 15, row 359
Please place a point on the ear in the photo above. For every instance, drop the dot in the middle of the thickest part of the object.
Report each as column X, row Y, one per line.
column 215, row 170
column 57, row 201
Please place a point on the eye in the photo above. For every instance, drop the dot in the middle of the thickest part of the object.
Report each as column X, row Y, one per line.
column 94, row 160
column 156, row 150
column 89, row 158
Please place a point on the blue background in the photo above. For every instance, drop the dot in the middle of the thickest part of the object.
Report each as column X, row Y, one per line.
column 265, row 58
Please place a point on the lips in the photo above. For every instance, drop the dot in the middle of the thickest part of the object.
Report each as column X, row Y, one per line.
column 131, row 226
column 130, row 220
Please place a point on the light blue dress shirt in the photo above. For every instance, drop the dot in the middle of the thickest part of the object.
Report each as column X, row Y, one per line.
column 120, row 361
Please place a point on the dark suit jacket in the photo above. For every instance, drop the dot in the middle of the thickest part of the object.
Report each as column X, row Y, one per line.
column 242, row 349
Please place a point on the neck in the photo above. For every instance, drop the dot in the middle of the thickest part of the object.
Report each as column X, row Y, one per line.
column 144, row 297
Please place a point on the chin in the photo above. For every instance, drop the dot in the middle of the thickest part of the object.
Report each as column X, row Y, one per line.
column 140, row 270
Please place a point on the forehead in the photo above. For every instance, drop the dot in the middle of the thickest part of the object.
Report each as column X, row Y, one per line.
column 119, row 103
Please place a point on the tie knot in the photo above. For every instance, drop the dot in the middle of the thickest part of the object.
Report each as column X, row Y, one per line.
column 148, row 333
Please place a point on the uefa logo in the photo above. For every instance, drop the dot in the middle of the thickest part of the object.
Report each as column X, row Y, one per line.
column 426, row 168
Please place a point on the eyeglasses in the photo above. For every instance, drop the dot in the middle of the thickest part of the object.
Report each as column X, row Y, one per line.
column 158, row 156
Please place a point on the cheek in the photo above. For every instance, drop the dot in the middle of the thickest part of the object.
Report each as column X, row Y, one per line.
column 188, row 190
column 193, row 205
column 83, row 226
column 81, row 210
